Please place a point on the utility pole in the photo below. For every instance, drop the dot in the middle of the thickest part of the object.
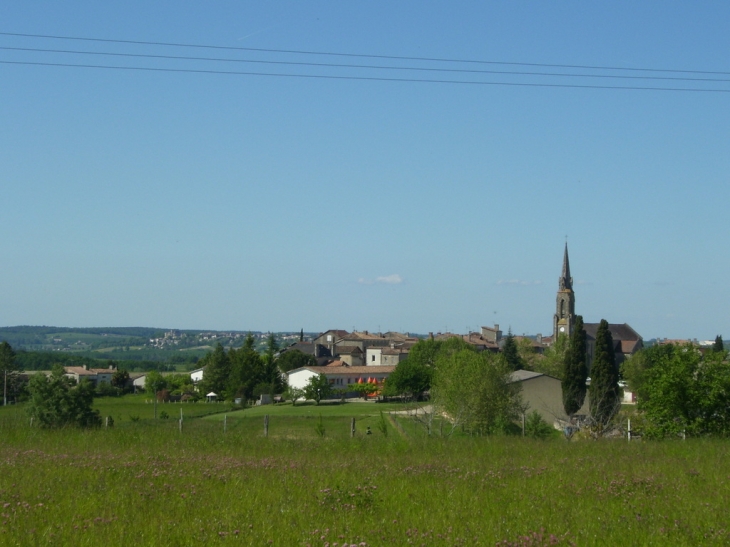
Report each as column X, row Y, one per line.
column 5, row 389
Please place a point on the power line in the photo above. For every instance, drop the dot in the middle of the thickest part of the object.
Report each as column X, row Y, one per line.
column 370, row 56
column 365, row 78
column 369, row 67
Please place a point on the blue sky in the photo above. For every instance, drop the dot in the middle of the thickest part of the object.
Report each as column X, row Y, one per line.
column 193, row 200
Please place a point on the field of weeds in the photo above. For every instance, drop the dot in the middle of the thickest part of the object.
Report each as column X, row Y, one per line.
column 145, row 483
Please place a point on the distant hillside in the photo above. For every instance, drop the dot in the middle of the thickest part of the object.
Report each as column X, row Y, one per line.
column 179, row 348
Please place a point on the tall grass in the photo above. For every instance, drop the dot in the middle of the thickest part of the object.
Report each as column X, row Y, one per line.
column 145, row 483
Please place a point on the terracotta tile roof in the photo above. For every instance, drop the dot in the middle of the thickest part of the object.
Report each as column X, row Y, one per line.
column 350, row 371
column 347, row 350
column 364, row 336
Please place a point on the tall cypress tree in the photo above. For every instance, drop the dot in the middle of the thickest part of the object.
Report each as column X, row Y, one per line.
column 604, row 391
column 576, row 372
column 719, row 345
column 511, row 355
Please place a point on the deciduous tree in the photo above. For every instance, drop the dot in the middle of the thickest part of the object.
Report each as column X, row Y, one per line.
column 293, row 358
column 686, row 392
column 317, row 388
column 552, row 361
column 424, row 352
column 154, row 382
column 293, row 393
column 120, row 378
column 54, row 402
column 474, row 389
column 410, row 378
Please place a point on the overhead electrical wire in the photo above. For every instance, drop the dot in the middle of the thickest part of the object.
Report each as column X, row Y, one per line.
column 371, row 56
column 653, row 73
column 367, row 78
column 370, row 67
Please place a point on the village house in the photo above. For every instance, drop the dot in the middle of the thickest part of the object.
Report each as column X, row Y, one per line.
column 386, row 356
column 93, row 375
column 339, row 375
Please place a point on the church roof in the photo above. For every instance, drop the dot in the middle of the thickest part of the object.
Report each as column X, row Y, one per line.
column 566, row 282
column 619, row 332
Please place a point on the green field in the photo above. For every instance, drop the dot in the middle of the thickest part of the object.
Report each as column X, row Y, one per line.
column 146, row 483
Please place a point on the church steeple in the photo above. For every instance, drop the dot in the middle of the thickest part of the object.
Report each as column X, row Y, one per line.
column 563, row 319
column 566, row 282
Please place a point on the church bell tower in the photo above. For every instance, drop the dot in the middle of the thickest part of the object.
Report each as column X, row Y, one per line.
column 565, row 303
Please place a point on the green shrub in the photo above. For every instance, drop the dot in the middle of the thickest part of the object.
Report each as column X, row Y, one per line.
column 536, row 427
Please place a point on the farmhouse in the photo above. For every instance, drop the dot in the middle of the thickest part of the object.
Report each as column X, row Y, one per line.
column 339, row 376
column 93, row 375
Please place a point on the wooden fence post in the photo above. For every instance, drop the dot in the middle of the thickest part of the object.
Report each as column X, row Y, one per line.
column 352, row 427
column 266, row 425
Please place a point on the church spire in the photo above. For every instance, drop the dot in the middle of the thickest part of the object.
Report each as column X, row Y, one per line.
column 565, row 302
column 566, row 282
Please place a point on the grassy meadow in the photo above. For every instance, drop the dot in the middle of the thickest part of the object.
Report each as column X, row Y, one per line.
column 145, row 483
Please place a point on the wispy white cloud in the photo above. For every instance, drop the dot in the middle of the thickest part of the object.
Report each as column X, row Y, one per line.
column 519, row 282
column 393, row 279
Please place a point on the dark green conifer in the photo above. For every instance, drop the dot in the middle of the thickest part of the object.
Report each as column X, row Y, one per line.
column 511, row 355
column 217, row 371
column 576, row 372
column 604, row 390
column 719, row 345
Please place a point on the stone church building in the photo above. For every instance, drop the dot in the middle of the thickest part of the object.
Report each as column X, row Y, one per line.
column 626, row 341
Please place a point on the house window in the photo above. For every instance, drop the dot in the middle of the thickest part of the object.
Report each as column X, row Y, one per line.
column 372, row 358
